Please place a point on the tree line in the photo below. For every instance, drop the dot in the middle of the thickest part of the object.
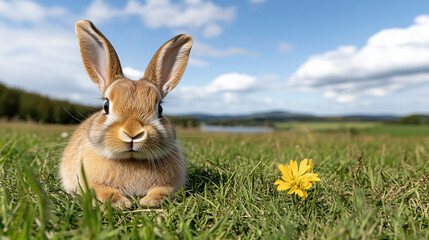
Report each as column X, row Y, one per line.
column 21, row 105
column 415, row 119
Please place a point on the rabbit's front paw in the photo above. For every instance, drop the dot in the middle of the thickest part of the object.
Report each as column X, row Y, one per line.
column 155, row 196
column 116, row 198
column 121, row 202
column 151, row 201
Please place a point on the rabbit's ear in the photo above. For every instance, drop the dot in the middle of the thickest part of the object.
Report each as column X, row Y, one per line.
column 168, row 64
column 99, row 57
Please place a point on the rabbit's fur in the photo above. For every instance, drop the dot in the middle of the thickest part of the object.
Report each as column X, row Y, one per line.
column 129, row 148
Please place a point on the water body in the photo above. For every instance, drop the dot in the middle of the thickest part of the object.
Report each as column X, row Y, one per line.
column 236, row 129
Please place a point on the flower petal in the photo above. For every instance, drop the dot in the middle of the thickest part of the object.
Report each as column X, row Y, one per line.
column 299, row 192
column 305, row 184
column 312, row 177
column 305, row 195
column 294, row 167
column 283, row 186
column 282, row 169
column 303, row 167
column 292, row 190
column 286, row 171
column 286, row 179
column 278, row 181
column 311, row 165
column 288, row 174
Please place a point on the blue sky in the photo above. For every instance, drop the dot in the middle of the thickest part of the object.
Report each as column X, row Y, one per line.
column 321, row 57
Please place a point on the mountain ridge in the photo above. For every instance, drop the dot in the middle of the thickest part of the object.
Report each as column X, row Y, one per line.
column 279, row 115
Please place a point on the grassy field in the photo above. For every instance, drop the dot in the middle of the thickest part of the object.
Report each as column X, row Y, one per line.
column 325, row 126
column 230, row 192
column 366, row 128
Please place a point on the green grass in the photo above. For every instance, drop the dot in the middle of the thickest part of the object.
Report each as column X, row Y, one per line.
column 230, row 193
column 365, row 128
column 324, row 126
column 399, row 130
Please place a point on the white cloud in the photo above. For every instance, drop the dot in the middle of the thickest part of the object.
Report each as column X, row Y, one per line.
column 257, row 1
column 284, row 47
column 392, row 60
column 76, row 97
column 212, row 30
column 227, row 93
column 193, row 1
column 233, row 82
column 197, row 62
column 192, row 14
column 132, row 73
column 99, row 12
column 40, row 55
column 268, row 100
column 45, row 60
column 27, row 11
column 228, row 83
column 206, row 50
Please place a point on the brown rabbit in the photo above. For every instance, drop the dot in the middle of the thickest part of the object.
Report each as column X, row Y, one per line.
column 129, row 148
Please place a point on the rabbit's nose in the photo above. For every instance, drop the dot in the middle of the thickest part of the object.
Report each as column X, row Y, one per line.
column 135, row 136
column 139, row 136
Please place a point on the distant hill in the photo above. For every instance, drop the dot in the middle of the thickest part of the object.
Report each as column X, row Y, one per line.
column 367, row 118
column 267, row 115
column 282, row 116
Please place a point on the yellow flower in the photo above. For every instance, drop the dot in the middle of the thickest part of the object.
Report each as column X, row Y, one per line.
column 297, row 180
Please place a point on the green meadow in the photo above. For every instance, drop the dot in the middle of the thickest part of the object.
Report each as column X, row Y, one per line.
column 374, row 186
column 367, row 128
column 325, row 126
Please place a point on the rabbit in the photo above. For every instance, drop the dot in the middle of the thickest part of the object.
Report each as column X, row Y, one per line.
column 128, row 148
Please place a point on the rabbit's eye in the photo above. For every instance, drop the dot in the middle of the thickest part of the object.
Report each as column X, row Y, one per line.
column 106, row 107
column 159, row 110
